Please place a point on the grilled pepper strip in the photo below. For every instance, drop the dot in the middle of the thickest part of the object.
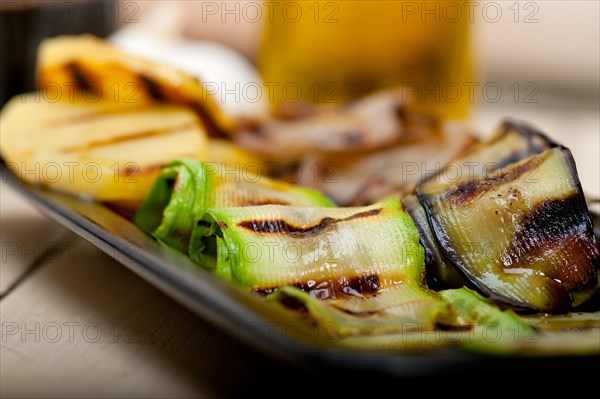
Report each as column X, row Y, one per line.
column 522, row 236
column 186, row 188
column 326, row 251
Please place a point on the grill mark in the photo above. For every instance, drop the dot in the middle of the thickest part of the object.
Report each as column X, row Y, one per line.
column 259, row 202
column 132, row 171
column 559, row 226
column 164, row 93
column 450, row 327
column 128, row 137
column 358, row 314
column 90, row 116
column 470, row 190
column 513, row 158
column 535, row 142
column 79, row 75
column 152, row 87
column 294, row 304
column 157, row 92
column 280, row 226
column 556, row 219
column 333, row 288
column 209, row 123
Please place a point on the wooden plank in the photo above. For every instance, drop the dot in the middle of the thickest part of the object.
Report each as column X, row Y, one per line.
column 83, row 325
column 26, row 236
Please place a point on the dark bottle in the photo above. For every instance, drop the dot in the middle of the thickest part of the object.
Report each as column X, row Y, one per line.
column 24, row 24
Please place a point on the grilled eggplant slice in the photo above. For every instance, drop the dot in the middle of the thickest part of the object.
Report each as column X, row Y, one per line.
column 441, row 274
column 326, row 251
column 186, row 188
column 523, row 235
column 512, row 142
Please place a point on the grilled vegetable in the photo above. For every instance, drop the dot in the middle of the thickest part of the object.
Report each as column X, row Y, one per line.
column 474, row 309
column 569, row 322
column 326, row 251
column 441, row 274
column 404, row 309
column 365, row 177
column 228, row 156
column 407, row 316
column 102, row 72
column 107, row 151
column 512, row 142
column 503, row 332
column 186, row 188
column 492, row 330
column 370, row 123
column 523, row 235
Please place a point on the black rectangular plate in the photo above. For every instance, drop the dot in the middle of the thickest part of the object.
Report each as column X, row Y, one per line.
column 250, row 319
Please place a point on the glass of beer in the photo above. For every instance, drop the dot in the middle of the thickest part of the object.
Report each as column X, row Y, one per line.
column 336, row 51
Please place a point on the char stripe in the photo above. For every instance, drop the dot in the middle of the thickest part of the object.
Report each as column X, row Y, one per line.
column 281, row 226
column 334, row 288
column 80, row 77
column 469, row 190
column 128, row 137
column 153, row 87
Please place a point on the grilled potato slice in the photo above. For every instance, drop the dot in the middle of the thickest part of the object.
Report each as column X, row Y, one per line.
column 101, row 72
column 107, row 151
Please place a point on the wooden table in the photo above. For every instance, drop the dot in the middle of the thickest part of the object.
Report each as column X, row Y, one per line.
column 74, row 322
column 77, row 323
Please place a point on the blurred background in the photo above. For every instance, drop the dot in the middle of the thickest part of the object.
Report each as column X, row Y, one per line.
column 479, row 60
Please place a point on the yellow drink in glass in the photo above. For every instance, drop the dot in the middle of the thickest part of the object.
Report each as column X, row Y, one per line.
column 337, row 51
